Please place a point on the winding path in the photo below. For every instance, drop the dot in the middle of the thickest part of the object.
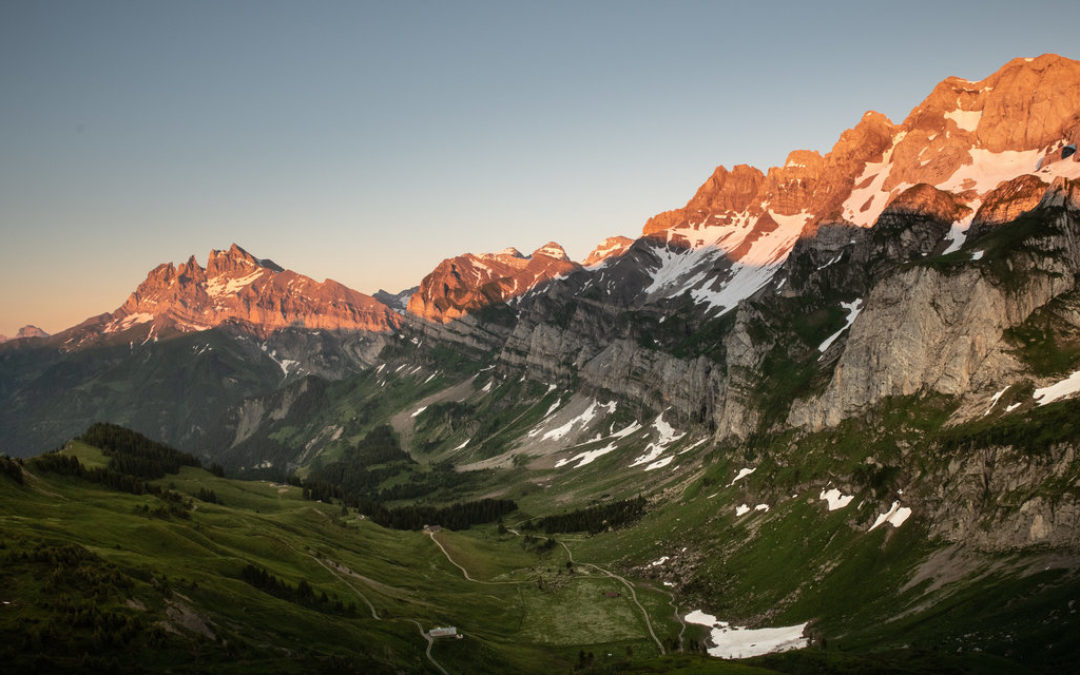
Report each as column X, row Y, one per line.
column 331, row 566
column 629, row 586
column 430, row 642
column 463, row 570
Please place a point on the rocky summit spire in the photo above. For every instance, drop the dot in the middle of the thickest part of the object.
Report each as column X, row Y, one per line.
column 236, row 286
column 468, row 282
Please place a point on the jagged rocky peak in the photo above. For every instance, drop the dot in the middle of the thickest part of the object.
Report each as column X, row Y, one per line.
column 551, row 250
column 29, row 331
column 237, row 287
column 509, row 252
column 396, row 301
column 612, row 247
column 235, row 259
column 723, row 194
column 469, row 281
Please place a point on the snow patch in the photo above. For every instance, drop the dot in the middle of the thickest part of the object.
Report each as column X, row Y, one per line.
column 988, row 169
column 587, row 457
column 129, row 321
column 895, row 516
column 418, row 411
column 662, row 462
column 742, row 510
column 667, row 436
column 692, row 446
column 220, row 285
column 853, row 310
column 736, row 642
column 659, row 561
column 581, row 420
column 1069, row 385
column 968, row 120
column 743, row 473
column 874, row 193
column 836, row 499
column 761, row 507
column 958, row 231
column 994, row 400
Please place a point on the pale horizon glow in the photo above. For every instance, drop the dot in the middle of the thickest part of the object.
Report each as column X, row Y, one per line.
column 367, row 141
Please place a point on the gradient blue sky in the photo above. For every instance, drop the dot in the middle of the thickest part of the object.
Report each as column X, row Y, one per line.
column 366, row 142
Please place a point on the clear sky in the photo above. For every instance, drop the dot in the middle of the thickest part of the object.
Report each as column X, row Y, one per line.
column 367, row 141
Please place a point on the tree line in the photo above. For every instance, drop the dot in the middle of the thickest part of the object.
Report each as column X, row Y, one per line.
column 301, row 594
column 592, row 519
column 460, row 516
column 175, row 504
column 132, row 453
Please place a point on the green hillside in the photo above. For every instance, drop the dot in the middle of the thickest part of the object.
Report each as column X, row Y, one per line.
column 194, row 572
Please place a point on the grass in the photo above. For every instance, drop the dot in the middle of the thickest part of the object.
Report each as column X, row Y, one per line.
column 797, row 562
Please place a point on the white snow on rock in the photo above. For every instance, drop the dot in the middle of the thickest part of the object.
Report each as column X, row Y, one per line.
column 988, row 169
column 553, row 408
column 994, row 400
column 977, row 255
column 579, row 421
column 735, row 642
column 761, row 507
column 462, row 446
column 586, row 457
column 958, row 231
column 967, row 120
column 853, row 310
column 219, row 286
column 589, row 456
column 895, row 516
column 129, row 321
column 418, row 411
column 662, row 462
column 743, row 473
column 659, row 561
column 836, row 499
column 742, row 509
column 1069, row 385
column 693, row 445
column 667, row 436
column 873, row 196
column 690, row 270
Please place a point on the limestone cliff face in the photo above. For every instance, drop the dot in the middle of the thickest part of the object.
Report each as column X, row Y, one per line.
column 984, row 499
column 237, row 287
column 853, row 224
column 926, row 328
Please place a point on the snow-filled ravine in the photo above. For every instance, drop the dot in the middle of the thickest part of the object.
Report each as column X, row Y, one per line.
column 736, row 642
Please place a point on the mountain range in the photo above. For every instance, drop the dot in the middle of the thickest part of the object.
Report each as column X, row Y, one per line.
column 884, row 338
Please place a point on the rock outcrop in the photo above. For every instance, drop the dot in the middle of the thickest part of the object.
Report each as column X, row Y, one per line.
column 612, row 247
column 29, row 331
column 234, row 287
column 470, row 282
